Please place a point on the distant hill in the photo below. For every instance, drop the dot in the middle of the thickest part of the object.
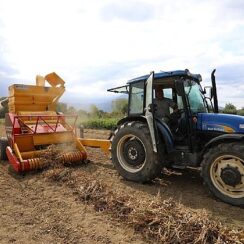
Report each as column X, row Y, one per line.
column 104, row 104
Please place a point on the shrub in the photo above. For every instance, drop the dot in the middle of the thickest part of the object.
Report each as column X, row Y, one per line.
column 107, row 123
column 229, row 109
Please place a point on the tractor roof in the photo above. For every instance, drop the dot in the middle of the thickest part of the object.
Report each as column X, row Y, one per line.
column 168, row 74
column 157, row 76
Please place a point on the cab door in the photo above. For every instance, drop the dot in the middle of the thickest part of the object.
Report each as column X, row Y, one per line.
column 149, row 109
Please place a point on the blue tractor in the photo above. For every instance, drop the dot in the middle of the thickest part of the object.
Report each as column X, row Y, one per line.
column 197, row 135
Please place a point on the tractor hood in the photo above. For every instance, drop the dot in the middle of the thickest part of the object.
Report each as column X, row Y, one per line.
column 226, row 123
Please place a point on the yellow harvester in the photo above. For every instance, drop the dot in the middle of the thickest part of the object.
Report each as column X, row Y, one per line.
column 33, row 124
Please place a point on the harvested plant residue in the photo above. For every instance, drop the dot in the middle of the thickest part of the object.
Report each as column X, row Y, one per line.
column 161, row 221
column 53, row 155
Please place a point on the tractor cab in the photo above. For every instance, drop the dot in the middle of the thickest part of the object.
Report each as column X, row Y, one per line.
column 177, row 126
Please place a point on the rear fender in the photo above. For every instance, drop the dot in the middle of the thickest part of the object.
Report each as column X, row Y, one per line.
column 165, row 133
column 223, row 139
column 144, row 120
column 162, row 130
column 131, row 118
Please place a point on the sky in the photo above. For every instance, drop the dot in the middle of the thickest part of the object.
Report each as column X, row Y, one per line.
column 96, row 45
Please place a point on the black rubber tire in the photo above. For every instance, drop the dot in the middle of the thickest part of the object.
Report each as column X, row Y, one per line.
column 232, row 149
column 3, row 146
column 151, row 166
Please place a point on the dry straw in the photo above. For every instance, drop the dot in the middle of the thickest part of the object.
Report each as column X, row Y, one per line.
column 161, row 221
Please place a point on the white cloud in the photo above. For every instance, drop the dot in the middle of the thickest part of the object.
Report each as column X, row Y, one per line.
column 77, row 39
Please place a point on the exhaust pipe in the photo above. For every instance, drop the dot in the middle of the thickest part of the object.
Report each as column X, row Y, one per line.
column 215, row 97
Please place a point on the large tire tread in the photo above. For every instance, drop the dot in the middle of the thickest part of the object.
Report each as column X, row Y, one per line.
column 235, row 149
column 152, row 167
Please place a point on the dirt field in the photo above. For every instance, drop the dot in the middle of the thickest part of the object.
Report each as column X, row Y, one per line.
column 34, row 209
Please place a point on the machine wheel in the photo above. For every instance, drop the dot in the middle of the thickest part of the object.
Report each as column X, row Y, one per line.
column 3, row 145
column 132, row 153
column 223, row 172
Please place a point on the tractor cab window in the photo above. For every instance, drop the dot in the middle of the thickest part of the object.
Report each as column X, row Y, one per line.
column 195, row 96
column 168, row 93
column 136, row 98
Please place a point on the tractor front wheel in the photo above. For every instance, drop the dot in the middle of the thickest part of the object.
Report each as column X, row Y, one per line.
column 223, row 172
column 132, row 153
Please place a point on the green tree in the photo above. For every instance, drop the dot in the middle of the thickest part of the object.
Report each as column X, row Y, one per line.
column 95, row 112
column 62, row 107
column 71, row 110
column 82, row 112
column 230, row 109
column 240, row 111
column 120, row 106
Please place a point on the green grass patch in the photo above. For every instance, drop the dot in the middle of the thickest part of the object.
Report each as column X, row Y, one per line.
column 105, row 123
column 2, row 121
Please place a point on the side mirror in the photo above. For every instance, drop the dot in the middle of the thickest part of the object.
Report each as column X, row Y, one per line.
column 179, row 87
column 208, row 91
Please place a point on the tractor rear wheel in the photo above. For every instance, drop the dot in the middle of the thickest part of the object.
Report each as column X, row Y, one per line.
column 132, row 153
column 3, row 146
column 223, row 172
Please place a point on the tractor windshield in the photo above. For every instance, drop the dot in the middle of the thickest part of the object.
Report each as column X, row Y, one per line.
column 195, row 97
